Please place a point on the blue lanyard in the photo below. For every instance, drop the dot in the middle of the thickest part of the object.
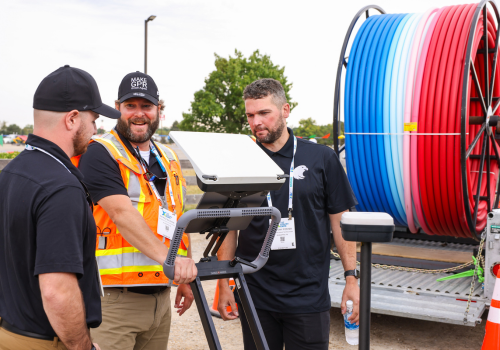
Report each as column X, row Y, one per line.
column 31, row 148
column 157, row 156
column 168, row 184
column 290, row 188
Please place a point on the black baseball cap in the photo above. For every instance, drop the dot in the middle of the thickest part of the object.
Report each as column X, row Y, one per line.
column 138, row 85
column 71, row 88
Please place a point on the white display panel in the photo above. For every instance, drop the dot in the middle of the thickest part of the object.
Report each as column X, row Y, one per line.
column 232, row 158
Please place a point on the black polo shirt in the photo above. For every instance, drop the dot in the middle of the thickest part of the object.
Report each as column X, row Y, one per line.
column 46, row 226
column 296, row 280
column 102, row 173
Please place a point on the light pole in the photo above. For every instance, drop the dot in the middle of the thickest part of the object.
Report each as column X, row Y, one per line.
column 150, row 18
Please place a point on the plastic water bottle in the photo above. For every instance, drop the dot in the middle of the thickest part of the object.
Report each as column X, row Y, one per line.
column 351, row 329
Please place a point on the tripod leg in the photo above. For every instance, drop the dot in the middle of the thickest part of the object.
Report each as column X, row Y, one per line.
column 250, row 313
column 205, row 316
column 365, row 296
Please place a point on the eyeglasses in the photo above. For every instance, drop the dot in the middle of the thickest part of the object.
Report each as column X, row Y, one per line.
column 149, row 176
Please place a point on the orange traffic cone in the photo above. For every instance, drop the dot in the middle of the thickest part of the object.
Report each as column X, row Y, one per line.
column 215, row 304
column 492, row 337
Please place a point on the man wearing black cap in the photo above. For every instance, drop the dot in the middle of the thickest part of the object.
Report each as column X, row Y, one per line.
column 138, row 190
column 49, row 286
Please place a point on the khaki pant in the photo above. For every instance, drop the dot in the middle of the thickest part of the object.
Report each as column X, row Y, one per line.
column 12, row 341
column 132, row 321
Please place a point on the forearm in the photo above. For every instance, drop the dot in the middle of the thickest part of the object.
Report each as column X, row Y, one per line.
column 227, row 251
column 134, row 229
column 63, row 303
column 346, row 250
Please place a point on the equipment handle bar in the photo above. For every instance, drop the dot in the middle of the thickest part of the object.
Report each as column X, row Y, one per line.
column 260, row 261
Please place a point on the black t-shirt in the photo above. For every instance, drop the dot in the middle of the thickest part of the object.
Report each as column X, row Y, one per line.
column 296, row 280
column 102, row 172
column 46, row 226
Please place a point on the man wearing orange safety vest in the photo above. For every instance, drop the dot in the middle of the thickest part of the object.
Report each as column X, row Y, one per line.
column 139, row 191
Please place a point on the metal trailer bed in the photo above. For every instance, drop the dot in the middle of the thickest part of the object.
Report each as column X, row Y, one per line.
column 418, row 295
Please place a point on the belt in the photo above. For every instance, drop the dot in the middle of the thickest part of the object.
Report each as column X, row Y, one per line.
column 10, row 328
column 143, row 290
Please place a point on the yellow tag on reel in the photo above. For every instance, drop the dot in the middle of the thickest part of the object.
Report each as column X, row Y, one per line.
column 411, row 126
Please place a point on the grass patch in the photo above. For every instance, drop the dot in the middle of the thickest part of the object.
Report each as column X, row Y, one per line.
column 8, row 155
column 189, row 207
column 194, row 190
column 188, row 172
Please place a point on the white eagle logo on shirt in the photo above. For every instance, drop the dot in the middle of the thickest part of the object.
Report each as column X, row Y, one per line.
column 298, row 172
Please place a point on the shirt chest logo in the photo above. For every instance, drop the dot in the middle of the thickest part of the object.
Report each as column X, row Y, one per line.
column 298, row 172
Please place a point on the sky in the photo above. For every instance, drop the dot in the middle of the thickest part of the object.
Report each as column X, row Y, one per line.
column 106, row 38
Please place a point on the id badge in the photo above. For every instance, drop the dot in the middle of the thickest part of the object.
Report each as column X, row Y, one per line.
column 166, row 223
column 285, row 235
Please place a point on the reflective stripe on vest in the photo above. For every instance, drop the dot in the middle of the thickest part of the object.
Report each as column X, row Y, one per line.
column 120, row 264
column 170, row 155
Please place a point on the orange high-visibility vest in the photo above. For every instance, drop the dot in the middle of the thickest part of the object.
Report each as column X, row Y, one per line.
column 120, row 264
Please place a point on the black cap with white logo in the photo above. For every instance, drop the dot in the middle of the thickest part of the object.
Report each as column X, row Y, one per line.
column 68, row 89
column 138, row 85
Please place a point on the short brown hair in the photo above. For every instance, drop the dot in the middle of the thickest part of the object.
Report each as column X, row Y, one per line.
column 264, row 87
column 161, row 104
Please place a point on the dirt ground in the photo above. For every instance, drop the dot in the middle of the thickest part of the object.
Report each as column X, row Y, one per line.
column 387, row 332
column 11, row 148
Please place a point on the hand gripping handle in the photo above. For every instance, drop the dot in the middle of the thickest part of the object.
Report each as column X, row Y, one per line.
column 260, row 261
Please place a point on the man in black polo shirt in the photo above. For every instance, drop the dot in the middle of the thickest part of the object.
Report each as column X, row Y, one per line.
column 49, row 287
column 290, row 292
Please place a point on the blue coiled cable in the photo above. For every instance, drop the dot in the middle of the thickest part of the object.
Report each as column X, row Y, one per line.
column 366, row 82
column 370, row 113
column 350, row 140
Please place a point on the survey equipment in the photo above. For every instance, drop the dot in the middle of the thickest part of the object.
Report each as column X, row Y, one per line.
column 366, row 228
column 236, row 176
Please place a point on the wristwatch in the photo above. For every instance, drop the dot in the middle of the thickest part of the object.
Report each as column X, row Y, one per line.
column 354, row 273
column 93, row 347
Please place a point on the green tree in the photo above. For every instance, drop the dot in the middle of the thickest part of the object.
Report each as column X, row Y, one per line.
column 11, row 129
column 308, row 127
column 176, row 126
column 28, row 129
column 101, row 131
column 219, row 106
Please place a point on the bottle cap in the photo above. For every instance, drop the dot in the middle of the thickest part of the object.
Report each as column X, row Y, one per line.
column 349, row 303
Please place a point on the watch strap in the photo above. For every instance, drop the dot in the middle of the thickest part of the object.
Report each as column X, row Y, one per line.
column 354, row 273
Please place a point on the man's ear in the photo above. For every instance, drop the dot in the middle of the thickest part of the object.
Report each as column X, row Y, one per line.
column 117, row 106
column 286, row 110
column 72, row 119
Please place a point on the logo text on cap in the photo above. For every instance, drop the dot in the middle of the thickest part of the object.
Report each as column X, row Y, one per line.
column 139, row 83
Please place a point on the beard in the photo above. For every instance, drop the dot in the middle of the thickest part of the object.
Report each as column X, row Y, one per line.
column 123, row 127
column 272, row 135
column 80, row 142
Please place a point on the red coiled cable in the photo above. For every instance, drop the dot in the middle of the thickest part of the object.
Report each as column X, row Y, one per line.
column 439, row 163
